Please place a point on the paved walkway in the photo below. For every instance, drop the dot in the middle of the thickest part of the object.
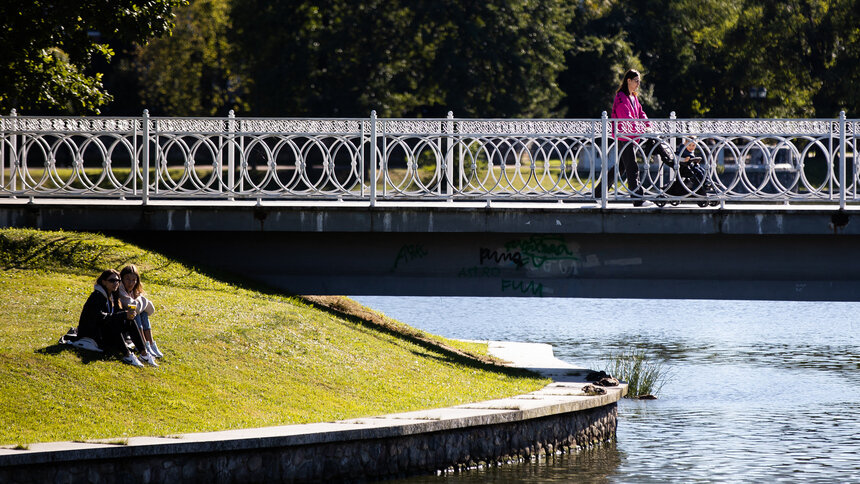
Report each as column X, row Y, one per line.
column 562, row 396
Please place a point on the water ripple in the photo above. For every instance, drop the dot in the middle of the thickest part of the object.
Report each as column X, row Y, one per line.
column 761, row 391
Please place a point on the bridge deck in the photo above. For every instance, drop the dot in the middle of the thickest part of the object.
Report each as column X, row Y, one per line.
column 749, row 251
column 426, row 217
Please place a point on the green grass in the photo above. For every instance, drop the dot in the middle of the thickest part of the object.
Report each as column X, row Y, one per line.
column 234, row 357
column 505, row 179
column 513, row 178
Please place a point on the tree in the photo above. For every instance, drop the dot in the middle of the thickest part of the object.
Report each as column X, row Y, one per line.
column 334, row 57
column 781, row 46
column 498, row 58
column 329, row 58
column 596, row 64
column 708, row 57
column 190, row 72
column 48, row 46
column 666, row 40
column 839, row 83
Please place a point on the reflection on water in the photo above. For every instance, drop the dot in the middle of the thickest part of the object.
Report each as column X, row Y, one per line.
column 760, row 391
column 595, row 465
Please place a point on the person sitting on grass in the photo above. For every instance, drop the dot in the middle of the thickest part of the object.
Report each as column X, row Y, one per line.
column 106, row 322
column 131, row 292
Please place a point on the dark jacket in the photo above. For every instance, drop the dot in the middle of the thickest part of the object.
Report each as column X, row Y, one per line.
column 98, row 314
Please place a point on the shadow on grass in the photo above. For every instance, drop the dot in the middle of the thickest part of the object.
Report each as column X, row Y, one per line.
column 340, row 307
column 471, row 362
column 86, row 356
column 376, row 323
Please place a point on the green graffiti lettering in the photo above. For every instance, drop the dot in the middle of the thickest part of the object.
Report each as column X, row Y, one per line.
column 540, row 249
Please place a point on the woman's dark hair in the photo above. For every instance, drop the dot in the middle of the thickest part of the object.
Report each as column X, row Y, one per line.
column 631, row 74
column 106, row 274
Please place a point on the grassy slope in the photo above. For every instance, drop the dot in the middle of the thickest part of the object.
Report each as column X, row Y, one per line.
column 234, row 357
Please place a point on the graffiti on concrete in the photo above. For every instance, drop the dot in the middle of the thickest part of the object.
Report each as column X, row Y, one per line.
column 540, row 249
column 476, row 271
column 501, row 256
column 522, row 287
column 549, row 254
column 409, row 253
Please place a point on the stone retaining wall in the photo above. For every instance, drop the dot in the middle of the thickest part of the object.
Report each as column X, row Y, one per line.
column 346, row 460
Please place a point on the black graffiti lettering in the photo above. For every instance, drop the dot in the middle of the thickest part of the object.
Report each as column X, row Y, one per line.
column 408, row 253
column 498, row 257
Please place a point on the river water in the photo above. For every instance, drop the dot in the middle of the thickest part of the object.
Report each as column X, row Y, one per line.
column 759, row 391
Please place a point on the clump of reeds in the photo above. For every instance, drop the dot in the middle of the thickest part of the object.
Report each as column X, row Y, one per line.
column 644, row 376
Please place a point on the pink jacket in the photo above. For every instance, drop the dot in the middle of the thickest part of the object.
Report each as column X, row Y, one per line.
column 628, row 107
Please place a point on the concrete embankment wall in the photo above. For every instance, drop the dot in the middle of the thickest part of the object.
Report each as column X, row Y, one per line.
column 558, row 418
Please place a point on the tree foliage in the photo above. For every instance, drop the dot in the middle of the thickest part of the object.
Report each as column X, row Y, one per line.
column 328, row 57
column 402, row 58
column 49, row 45
column 708, row 57
column 498, row 58
column 191, row 71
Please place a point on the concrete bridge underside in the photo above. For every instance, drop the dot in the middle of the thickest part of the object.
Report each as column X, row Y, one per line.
column 527, row 250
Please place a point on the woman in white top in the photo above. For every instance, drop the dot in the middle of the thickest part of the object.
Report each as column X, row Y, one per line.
column 131, row 292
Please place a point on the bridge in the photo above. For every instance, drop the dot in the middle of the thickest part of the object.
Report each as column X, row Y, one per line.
column 456, row 206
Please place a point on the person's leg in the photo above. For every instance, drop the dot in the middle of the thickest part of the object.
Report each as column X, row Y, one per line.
column 146, row 328
column 113, row 339
column 130, row 326
column 136, row 334
column 112, row 335
column 629, row 168
column 142, row 320
column 610, row 177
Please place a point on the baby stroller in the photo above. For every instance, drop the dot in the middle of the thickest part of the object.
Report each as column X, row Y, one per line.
column 691, row 179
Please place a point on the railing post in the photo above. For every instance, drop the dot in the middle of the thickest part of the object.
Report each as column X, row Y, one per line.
column 673, row 127
column 14, row 163
column 231, row 154
column 461, row 158
column 145, row 154
column 449, row 155
column 842, row 140
column 3, row 157
column 218, row 172
column 373, row 158
column 604, row 149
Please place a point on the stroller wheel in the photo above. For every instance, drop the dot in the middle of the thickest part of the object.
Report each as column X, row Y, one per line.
column 674, row 203
column 702, row 204
column 713, row 203
column 660, row 203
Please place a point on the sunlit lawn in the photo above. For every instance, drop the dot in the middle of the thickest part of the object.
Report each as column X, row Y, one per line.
column 538, row 178
column 234, row 357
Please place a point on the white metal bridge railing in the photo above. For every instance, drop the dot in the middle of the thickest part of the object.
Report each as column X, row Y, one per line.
column 749, row 160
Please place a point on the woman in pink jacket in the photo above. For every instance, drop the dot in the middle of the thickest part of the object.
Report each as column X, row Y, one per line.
column 626, row 106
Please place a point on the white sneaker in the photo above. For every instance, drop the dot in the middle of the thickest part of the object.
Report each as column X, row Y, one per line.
column 132, row 360
column 153, row 350
column 149, row 359
column 643, row 204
